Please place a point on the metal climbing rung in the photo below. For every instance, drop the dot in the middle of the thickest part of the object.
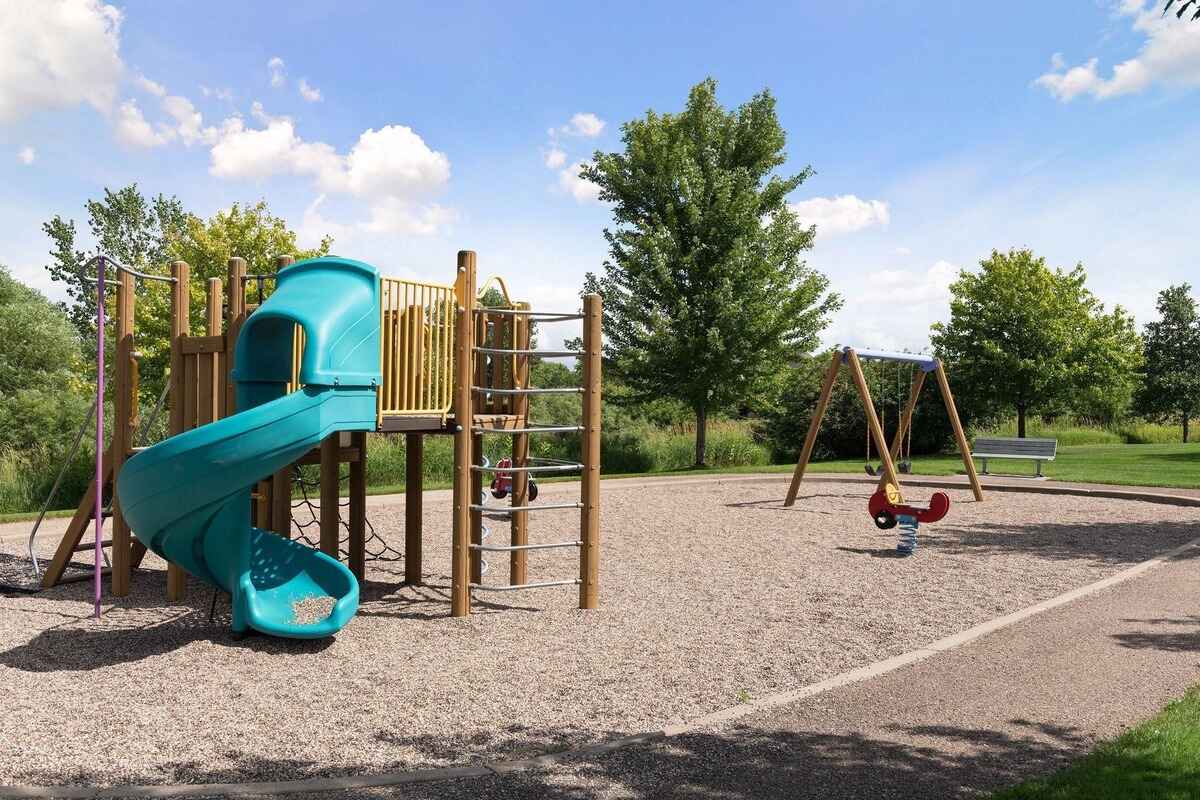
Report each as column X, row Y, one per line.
column 556, row 390
column 544, row 468
column 479, row 587
column 544, row 316
column 527, row 352
column 509, row 548
column 486, row 509
column 532, row 429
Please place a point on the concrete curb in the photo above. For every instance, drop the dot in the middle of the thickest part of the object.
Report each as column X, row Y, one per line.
column 722, row 716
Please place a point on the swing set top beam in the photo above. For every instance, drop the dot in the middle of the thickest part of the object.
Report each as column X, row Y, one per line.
column 926, row 363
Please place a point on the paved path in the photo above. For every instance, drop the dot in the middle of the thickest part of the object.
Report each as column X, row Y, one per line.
column 1013, row 704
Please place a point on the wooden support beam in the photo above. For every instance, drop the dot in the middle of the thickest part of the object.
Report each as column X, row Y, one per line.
column 464, row 291
column 330, row 471
column 906, row 418
column 76, row 528
column 358, row 506
column 814, row 426
column 959, row 435
column 124, row 419
column 589, row 534
column 181, row 329
column 414, row 489
column 235, row 315
column 873, row 426
column 519, row 526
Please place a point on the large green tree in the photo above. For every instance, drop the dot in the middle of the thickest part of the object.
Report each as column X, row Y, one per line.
column 1171, row 385
column 42, row 395
column 1027, row 338
column 705, row 291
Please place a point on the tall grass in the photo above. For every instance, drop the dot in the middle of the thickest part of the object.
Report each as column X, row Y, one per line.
column 1069, row 434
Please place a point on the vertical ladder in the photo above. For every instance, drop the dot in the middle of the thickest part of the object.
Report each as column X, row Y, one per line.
column 515, row 399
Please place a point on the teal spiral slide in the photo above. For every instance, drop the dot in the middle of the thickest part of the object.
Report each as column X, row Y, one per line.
column 188, row 497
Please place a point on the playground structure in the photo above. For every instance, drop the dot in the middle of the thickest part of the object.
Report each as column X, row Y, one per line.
column 446, row 366
column 850, row 357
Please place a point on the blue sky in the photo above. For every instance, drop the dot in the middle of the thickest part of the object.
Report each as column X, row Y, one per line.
column 938, row 131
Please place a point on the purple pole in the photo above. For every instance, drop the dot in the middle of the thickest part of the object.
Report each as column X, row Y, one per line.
column 99, row 433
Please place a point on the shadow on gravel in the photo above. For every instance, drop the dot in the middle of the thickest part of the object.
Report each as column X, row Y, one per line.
column 738, row 764
column 1174, row 635
column 1111, row 543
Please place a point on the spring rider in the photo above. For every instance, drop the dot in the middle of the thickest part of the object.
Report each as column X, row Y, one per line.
column 888, row 510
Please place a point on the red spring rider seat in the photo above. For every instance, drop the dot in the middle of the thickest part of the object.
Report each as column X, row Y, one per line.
column 887, row 510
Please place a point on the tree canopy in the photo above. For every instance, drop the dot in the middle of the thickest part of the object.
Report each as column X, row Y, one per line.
column 41, row 384
column 150, row 233
column 1171, row 374
column 1025, row 337
column 705, row 292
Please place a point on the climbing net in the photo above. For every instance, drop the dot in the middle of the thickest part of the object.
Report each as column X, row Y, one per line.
column 376, row 548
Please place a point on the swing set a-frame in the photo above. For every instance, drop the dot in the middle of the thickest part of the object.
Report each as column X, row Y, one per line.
column 851, row 358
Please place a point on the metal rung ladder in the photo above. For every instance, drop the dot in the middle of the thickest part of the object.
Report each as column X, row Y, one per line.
column 523, row 466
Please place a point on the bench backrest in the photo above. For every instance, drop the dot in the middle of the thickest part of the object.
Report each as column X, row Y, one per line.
column 1027, row 448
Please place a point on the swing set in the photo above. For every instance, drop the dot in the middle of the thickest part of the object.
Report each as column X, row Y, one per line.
column 888, row 470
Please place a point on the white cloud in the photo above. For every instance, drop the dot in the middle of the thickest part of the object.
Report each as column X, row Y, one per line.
column 1170, row 54
column 571, row 182
column 58, row 54
column 278, row 74
column 555, row 158
column 189, row 124
column 310, row 93
column 842, row 214
column 392, row 169
column 865, row 320
column 219, row 94
column 132, row 129
column 152, row 87
column 26, row 155
column 584, row 124
column 902, row 251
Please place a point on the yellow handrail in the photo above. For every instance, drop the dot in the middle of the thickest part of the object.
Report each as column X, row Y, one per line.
column 417, row 347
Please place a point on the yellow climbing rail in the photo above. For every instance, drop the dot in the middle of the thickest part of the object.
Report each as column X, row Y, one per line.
column 417, row 328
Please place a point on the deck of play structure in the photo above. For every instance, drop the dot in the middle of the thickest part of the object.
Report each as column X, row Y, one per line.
column 446, row 365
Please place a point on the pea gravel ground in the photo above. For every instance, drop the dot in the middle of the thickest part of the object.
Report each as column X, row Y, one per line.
column 712, row 592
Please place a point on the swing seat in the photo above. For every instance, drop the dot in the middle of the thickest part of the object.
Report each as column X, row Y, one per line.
column 886, row 505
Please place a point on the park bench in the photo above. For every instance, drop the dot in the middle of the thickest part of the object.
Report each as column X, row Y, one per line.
column 1037, row 450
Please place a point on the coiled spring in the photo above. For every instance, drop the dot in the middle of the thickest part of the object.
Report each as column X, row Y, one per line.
column 907, row 544
column 485, row 532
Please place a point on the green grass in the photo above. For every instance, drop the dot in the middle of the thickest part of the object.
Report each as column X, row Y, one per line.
column 1167, row 465
column 1158, row 759
column 1070, row 435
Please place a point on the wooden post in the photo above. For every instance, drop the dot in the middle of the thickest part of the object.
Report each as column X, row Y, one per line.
column 235, row 311
column 281, row 481
column 906, row 418
column 873, row 426
column 124, row 414
column 589, row 552
column 414, row 446
column 330, row 469
column 518, row 559
column 181, row 327
column 959, row 435
column 358, row 506
column 814, row 425
column 464, row 290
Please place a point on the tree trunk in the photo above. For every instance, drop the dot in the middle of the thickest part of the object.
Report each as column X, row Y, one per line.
column 1020, row 422
column 1186, row 420
column 701, row 435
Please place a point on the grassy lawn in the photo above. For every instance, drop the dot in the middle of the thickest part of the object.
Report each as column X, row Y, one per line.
column 1158, row 759
column 1166, row 465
